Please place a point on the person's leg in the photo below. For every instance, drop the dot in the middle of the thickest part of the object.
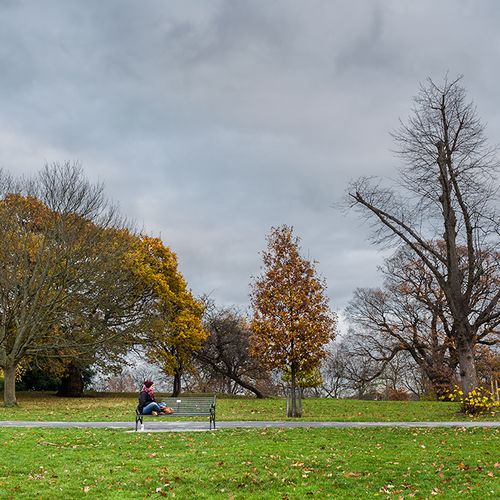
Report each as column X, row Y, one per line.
column 148, row 409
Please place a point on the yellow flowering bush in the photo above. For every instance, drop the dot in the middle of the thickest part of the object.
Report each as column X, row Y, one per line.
column 477, row 402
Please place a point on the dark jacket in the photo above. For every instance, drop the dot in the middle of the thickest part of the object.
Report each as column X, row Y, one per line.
column 144, row 399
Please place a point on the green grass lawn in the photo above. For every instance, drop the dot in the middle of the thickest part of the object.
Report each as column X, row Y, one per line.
column 121, row 407
column 246, row 463
column 250, row 463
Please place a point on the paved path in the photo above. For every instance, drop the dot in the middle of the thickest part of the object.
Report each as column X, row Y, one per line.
column 169, row 426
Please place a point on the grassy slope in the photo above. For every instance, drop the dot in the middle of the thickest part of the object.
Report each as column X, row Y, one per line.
column 231, row 464
column 120, row 407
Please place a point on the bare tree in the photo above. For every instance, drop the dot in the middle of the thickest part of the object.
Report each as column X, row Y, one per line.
column 226, row 351
column 409, row 314
column 361, row 373
column 334, row 373
column 351, row 370
column 448, row 191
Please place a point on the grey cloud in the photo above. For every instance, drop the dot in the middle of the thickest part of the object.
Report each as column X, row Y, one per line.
column 369, row 49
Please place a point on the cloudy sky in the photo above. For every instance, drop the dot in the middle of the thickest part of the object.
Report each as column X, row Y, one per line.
column 211, row 121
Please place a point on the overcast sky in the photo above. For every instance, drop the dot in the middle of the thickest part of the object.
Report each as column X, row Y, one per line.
column 211, row 121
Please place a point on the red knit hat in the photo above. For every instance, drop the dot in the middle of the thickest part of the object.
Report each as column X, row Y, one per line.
column 148, row 383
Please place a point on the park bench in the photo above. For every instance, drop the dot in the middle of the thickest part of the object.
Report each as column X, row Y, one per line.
column 203, row 406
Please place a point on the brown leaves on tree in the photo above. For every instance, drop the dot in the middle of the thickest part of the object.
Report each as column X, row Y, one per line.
column 291, row 321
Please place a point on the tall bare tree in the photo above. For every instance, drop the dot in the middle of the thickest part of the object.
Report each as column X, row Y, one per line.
column 447, row 191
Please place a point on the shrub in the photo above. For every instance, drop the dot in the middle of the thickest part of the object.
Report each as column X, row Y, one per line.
column 477, row 402
column 397, row 395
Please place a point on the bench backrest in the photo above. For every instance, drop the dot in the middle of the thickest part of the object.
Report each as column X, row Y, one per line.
column 190, row 405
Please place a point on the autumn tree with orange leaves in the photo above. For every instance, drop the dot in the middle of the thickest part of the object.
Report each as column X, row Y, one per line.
column 291, row 322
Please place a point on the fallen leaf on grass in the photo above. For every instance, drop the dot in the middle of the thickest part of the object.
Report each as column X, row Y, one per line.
column 36, row 477
column 353, row 474
column 47, row 443
column 386, row 488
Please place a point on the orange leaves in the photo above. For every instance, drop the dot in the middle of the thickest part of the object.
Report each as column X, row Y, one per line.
column 27, row 212
column 291, row 319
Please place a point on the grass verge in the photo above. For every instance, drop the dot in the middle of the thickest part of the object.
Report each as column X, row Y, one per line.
column 120, row 407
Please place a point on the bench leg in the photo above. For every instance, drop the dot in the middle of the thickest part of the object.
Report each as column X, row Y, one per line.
column 138, row 419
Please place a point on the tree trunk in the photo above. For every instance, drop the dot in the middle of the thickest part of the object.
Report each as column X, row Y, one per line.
column 437, row 386
column 247, row 386
column 467, row 365
column 440, row 377
column 293, row 410
column 232, row 376
column 177, row 383
column 9, row 389
column 71, row 383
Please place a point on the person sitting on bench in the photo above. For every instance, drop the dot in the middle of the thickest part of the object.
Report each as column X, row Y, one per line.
column 147, row 402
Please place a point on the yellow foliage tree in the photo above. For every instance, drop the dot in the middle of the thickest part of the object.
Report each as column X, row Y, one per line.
column 291, row 322
column 177, row 329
